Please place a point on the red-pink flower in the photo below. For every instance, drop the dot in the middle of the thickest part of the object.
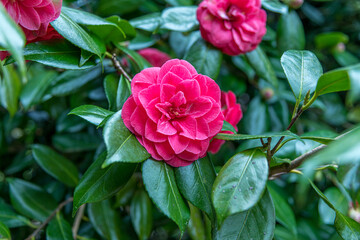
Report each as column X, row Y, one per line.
column 233, row 114
column 233, row 26
column 33, row 16
column 154, row 56
column 174, row 112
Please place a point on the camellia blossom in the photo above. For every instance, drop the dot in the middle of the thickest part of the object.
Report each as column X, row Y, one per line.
column 233, row 26
column 154, row 56
column 233, row 115
column 174, row 112
column 33, row 16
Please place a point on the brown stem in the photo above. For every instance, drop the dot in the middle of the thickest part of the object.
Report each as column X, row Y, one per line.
column 77, row 221
column 268, row 152
column 119, row 68
column 288, row 128
column 277, row 171
column 52, row 215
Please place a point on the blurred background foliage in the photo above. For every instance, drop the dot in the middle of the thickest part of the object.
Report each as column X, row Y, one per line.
column 330, row 29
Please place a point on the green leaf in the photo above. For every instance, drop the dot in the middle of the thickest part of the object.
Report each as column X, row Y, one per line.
column 79, row 142
column 159, row 181
column 196, row 228
column 338, row 200
column 34, row 90
column 181, row 19
column 4, row 232
column 330, row 39
column 262, row 66
column 99, row 183
column 235, row 137
column 12, row 38
column 58, row 54
column 121, row 144
column 150, row 22
column 10, row 87
column 322, row 140
column 135, row 57
column 30, row 199
column 255, row 223
column 346, row 227
column 284, row 213
column 275, row 6
column 228, row 127
column 336, row 80
column 342, row 151
column 240, row 183
column 290, row 32
column 106, row 220
column 105, row 30
column 303, row 70
column 345, row 58
column 111, row 83
column 195, row 184
column 12, row 219
column 59, row 228
column 256, row 117
column 70, row 81
column 71, row 31
column 141, row 214
column 92, row 114
column 56, row 165
column 123, row 92
column 206, row 59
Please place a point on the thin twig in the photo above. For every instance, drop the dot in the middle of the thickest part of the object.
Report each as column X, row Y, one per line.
column 118, row 66
column 277, row 171
column 293, row 120
column 77, row 221
column 52, row 215
column 268, row 152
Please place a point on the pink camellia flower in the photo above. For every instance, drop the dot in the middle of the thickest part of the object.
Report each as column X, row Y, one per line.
column 233, row 26
column 33, row 16
column 154, row 56
column 233, row 115
column 174, row 112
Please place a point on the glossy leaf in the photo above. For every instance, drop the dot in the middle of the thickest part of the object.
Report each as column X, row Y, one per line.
column 56, row 165
column 346, row 227
column 235, row 137
column 275, row 6
column 195, row 184
column 103, row 29
column 111, row 83
column 284, row 213
column 12, row 38
column 91, row 113
column 338, row 200
column 12, row 219
column 336, row 80
column 330, row 39
column 141, row 214
column 206, row 59
column 30, row 199
column 255, row 223
column 4, row 232
column 10, row 87
column 181, row 19
column 71, row 31
column 59, row 228
column 99, row 183
column 303, row 70
column 196, row 228
column 123, row 92
column 35, row 89
column 121, row 144
column 149, row 22
column 106, row 220
column 228, row 127
column 256, row 118
column 262, row 66
column 134, row 56
column 290, row 32
column 159, row 181
column 240, row 183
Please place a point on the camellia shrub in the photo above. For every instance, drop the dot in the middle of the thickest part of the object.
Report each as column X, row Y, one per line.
column 180, row 119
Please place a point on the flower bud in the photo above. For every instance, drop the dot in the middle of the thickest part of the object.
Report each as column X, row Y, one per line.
column 295, row 4
column 267, row 93
column 354, row 212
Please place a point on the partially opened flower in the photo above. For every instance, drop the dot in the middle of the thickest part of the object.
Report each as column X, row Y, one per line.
column 174, row 112
column 233, row 26
column 233, row 115
column 154, row 56
column 33, row 16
